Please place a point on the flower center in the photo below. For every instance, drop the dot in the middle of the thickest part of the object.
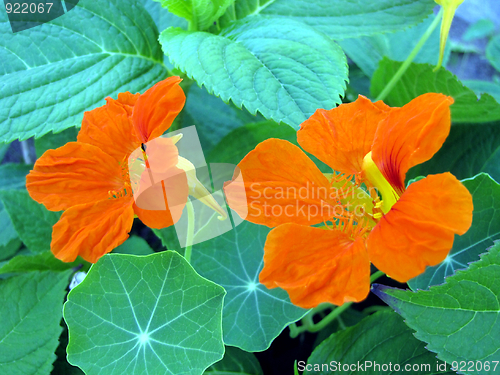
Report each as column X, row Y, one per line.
column 377, row 179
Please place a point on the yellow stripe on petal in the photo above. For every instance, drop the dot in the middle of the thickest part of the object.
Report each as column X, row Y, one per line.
column 196, row 188
column 449, row 8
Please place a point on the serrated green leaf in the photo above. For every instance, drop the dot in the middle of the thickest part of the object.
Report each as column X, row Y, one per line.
column 280, row 68
column 460, row 320
column 235, row 362
column 45, row 261
column 420, row 79
column 493, row 52
column 202, row 13
column 135, row 315
column 134, row 245
column 13, row 175
column 48, row 78
column 253, row 315
column 32, row 221
column 339, row 19
column 468, row 150
column 31, row 310
column 52, row 141
column 380, row 339
column 213, row 118
column 366, row 52
column 467, row 248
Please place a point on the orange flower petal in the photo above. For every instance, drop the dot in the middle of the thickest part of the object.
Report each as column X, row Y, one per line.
column 411, row 135
column 342, row 136
column 77, row 173
column 92, row 230
column 277, row 183
column 127, row 100
column 110, row 128
column 419, row 229
column 316, row 265
column 156, row 109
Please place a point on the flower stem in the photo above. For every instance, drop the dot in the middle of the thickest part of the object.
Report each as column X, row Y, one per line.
column 190, row 231
column 402, row 69
column 308, row 323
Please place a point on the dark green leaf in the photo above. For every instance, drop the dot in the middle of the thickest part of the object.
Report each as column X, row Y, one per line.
column 280, row 68
column 138, row 315
column 460, row 320
column 468, row 151
column 134, row 245
column 50, row 76
column 32, row 221
column 420, row 79
column 467, row 248
column 235, row 362
column 45, row 261
column 53, row 141
column 253, row 315
column 13, row 175
column 370, row 347
column 31, row 310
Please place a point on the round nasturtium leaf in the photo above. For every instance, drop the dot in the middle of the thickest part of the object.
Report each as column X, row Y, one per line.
column 144, row 315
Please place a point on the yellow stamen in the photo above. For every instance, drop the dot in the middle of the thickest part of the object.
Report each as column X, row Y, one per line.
column 377, row 179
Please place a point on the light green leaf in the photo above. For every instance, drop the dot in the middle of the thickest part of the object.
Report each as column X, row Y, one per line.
column 381, row 339
column 366, row 52
column 200, row 12
column 162, row 17
column 13, row 175
column 48, row 78
column 136, row 315
column 493, row 52
column 31, row 310
column 280, row 68
column 469, row 150
column 235, row 362
column 134, row 245
column 253, row 315
column 467, row 248
column 339, row 19
column 420, row 79
column 45, row 261
column 459, row 320
column 32, row 221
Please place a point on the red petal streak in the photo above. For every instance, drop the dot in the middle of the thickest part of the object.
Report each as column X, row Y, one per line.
column 411, row 135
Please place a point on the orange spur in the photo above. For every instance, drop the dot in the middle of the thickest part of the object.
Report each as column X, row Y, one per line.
column 90, row 179
column 330, row 227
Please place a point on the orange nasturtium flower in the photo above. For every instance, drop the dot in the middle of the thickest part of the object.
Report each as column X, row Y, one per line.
column 101, row 187
column 371, row 146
